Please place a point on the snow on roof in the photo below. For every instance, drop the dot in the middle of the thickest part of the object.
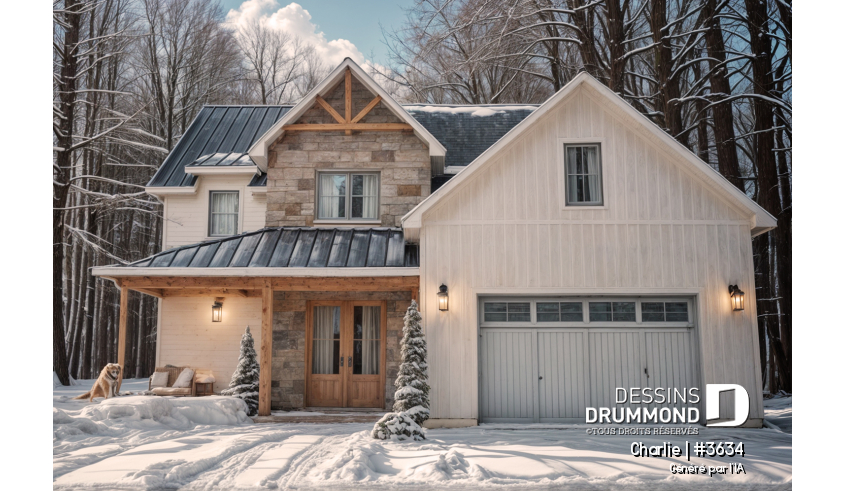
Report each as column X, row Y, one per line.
column 474, row 110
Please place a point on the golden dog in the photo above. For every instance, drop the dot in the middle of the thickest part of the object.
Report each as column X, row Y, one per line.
column 107, row 384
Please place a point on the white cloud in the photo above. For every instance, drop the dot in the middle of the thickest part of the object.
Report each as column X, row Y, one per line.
column 295, row 20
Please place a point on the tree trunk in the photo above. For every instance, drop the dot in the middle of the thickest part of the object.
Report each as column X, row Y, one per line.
column 768, row 195
column 720, row 88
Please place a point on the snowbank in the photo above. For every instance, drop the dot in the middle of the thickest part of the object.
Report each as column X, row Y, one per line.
column 145, row 412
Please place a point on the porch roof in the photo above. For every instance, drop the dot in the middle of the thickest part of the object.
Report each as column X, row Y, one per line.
column 288, row 248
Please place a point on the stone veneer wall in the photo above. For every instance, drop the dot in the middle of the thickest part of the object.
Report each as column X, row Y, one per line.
column 294, row 160
column 288, row 381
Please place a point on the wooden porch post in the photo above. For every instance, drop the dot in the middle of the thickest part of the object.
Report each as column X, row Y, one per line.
column 266, row 371
column 121, row 331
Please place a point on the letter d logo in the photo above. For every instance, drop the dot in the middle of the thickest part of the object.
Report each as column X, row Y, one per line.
column 727, row 405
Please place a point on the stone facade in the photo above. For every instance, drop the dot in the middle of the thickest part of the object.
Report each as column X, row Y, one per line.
column 294, row 160
column 288, row 381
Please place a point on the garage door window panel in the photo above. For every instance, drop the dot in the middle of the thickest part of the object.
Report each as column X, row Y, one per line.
column 613, row 312
column 507, row 312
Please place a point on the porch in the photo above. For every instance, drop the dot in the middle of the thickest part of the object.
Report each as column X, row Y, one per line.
column 281, row 278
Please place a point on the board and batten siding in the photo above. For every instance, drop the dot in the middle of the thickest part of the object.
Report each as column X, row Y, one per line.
column 187, row 337
column 662, row 231
column 187, row 215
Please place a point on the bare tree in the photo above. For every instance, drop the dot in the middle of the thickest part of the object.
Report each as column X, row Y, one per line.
column 273, row 60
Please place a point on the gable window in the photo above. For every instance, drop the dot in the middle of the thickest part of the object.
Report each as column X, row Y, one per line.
column 583, row 175
column 222, row 213
column 347, row 196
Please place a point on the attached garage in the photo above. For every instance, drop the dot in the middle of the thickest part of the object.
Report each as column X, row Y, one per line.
column 548, row 359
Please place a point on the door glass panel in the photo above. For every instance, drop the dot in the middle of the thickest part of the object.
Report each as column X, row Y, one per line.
column 366, row 342
column 325, row 357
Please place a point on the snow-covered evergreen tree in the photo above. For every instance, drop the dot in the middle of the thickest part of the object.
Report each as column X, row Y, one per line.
column 411, row 406
column 244, row 382
column 412, row 388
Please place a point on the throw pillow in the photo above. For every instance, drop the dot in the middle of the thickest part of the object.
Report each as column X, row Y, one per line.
column 183, row 381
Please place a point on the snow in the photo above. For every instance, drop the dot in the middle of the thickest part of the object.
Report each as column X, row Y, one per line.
column 472, row 110
column 779, row 411
column 148, row 442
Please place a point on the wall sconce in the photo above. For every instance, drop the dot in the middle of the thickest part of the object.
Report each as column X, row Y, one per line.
column 217, row 310
column 443, row 298
column 737, row 298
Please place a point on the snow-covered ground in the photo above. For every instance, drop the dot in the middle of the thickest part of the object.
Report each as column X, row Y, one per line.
column 779, row 411
column 144, row 442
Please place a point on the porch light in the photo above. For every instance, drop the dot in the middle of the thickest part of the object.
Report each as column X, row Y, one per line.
column 737, row 298
column 217, row 310
column 443, row 298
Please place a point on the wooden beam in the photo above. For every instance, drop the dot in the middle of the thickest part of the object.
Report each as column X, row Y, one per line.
column 121, row 331
column 348, row 98
column 330, row 110
column 349, row 127
column 150, row 291
column 336, row 284
column 210, row 286
column 367, row 109
column 265, row 374
column 238, row 283
column 210, row 292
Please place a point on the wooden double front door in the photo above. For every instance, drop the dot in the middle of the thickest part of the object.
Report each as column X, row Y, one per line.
column 345, row 355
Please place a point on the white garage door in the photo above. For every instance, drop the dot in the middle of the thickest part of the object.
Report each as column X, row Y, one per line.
column 547, row 360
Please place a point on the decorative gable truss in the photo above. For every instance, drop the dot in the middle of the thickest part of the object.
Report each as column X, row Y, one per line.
column 345, row 122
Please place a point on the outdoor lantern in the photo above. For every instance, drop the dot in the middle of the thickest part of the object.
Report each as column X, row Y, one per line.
column 443, row 298
column 737, row 298
column 217, row 310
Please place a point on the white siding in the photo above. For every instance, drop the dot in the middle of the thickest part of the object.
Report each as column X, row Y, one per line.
column 661, row 231
column 187, row 215
column 187, row 336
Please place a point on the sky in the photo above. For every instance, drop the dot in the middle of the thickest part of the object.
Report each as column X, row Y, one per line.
column 337, row 28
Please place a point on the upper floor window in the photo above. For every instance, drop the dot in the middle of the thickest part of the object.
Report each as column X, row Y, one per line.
column 583, row 175
column 347, row 196
column 223, row 213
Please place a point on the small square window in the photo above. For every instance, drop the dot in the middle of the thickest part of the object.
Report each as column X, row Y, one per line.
column 583, row 175
column 347, row 196
column 222, row 213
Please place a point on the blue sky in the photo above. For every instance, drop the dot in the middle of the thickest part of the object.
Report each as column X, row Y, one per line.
column 355, row 21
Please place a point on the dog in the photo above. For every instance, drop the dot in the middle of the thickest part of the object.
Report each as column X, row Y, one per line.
column 107, row 384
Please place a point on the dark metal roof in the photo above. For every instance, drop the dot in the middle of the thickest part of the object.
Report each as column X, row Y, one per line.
column 467, row 131
column 283, row 247
column 219, row 135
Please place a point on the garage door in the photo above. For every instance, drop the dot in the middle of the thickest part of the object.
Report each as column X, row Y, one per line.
column 547, row 360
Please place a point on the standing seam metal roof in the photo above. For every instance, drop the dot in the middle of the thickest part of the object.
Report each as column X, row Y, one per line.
column 288, row 247
column 219, row 135
column 222, row 135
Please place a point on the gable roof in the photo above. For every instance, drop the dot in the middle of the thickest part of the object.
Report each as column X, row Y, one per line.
column 468, row 130
column 763, row 221
column 258, row 150
column 219, row 136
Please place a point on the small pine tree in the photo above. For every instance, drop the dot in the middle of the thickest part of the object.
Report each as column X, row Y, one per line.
column 412, row 388
column 244, row 382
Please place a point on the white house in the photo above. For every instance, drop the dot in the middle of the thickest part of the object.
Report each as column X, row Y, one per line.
column 581, row 248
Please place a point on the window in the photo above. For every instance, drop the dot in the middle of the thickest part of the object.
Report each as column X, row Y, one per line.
column 586, row 312
column 347, row 196
column 560, row 312
column 665, row 312
column 223, row 213
column 507, row 312
column 613, row 311
column 583, row 175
